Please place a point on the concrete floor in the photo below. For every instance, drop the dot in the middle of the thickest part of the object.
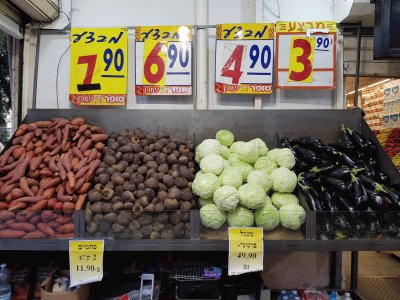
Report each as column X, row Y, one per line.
column 376, row 270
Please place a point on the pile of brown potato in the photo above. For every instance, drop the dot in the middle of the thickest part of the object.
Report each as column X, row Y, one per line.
column 142, row 187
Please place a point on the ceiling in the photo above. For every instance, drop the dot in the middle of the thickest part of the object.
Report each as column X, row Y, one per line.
column 364, row 81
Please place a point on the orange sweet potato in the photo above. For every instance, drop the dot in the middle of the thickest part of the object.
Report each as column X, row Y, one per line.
column 11, row 234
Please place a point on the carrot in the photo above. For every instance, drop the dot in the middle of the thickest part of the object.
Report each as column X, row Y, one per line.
column 79, row 203
column 16, row 206
column 66, row 228
column 56, row 150
column 38, row 132
column 6, row 215
column 40, row 205
column 23, row 128
column 51, row 202
column 49, row 192
column 78, row 121
column 46, row 172
column 34, row 174
column 68, row 207
column 58, row 206
column 61, row 196
column 35, row 190
column 51, row 139
column 99, row 146
column 11, row 234
column 32, row 182
column 25, row 226
column 82, row 172
column 93, row 166
column 81, row 140
column 23, row 184
column 50, row 183
column 77, row 153
column 81, row 164
column 86, row 144
column 27, row 138
column 53, row 165
column 92, row 155
column 79, row 183
column 34, row 199
column 99, row 137
column 9, row 167
column 3, row 205
column 66, row 162
column 18, row 152
column 37, row 234
column 38, row 144
column 74, row 162
column 42, row 124
column 65, row 136
column 62, row 173
column 17, row 193
column 6, row 155
column 7, row 188
column 35, row 162
column 46, row 229
column 87, row 133
column 32, row 127
column 83, row 128
column 68, row 189
column 19, row 170
column 59, row 135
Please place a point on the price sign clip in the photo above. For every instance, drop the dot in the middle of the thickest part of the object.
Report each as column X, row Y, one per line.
column 310, row 31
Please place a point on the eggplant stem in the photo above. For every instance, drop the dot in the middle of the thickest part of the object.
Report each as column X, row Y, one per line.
column 379, row 188
column 350, row 131
column 353, row 177
column 355, row 171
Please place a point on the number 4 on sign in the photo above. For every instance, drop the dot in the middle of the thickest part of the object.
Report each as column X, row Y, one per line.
column 236, row 60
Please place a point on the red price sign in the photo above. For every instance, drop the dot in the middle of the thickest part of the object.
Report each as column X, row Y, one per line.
column 163, row 60
column 306, row 55
column 244, row 58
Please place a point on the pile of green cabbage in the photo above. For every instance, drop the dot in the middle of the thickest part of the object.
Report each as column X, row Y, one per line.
column 245, row 184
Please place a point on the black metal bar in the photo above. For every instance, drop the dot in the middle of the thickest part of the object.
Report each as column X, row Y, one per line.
column 357, row 81
column 20, row 81
column 336, row 270
column 354, row 270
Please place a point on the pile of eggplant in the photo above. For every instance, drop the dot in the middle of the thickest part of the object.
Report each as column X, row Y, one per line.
column 343, row 182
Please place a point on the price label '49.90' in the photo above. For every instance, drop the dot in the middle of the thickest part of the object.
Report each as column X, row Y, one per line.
column 98, row 66
column 246, row 250
column 163, row 60
column 244, row 58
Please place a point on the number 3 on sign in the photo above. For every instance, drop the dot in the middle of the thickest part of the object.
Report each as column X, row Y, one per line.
column 301, row 59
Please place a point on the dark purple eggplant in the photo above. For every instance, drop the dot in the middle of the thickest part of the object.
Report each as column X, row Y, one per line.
column 346, row 147
column 322, row 168
column 379, row 202
column 368, row 170
column 308, row 155
column 301, row 166
column 309, row 142
column 357, row 139
column 328, row 204
column 331, row 154
column 381, row 177
column 344, row 136
column 343, row 204
column 360, row 193
column 285, row 143
column 310, row 194
column 338, row 172
column 336, row 185
column 384, row 190
column 348, row 161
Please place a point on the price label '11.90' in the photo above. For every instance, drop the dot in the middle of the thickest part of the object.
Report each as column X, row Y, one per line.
column 246, row 250
column 85, row 261
column 98, row 66
column 163, row 60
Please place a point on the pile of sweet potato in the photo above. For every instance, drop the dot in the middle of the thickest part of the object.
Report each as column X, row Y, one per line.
column 49, row 166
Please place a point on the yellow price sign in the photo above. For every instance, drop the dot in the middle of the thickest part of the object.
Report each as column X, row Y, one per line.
column 98, row 67
column 85, row 261
column 246, row 250
column 301, row 59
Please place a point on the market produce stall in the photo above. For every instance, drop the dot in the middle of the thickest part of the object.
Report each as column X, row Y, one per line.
column 196, row 126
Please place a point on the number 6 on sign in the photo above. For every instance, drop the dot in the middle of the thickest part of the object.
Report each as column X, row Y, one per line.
column 154, row 64
column 301, row 59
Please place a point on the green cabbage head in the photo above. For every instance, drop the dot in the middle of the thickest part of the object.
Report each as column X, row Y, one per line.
column 231, row 176
column 265, row 163
column 285, row 158
column 292, row 216
column 243, row 167
column 267, row 217
column 224, row 152
column 283, row 180
column 208, row 146
column 225, row 137
column 212, row 217
column 205, row 185
column 272, row 153
column 212, row 163
column 261, row 178
column 203, row 202
column 280, row 199
column 262, row 147
column 226, row 198
column 252, row 196
column 233, row 157
column 234, row 148
column 240, row 217
column 249, row 152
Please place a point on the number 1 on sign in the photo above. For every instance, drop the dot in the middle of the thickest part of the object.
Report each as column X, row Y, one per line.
column 301, row 59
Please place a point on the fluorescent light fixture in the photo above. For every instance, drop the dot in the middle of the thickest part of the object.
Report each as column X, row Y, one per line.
column 39, row 10
column 370, row 85
column 10, row 27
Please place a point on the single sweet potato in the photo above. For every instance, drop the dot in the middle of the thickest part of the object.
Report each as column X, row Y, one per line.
column 11, row 234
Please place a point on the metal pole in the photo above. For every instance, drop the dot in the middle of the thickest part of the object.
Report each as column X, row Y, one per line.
column 354, row 270
column 357, row 81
